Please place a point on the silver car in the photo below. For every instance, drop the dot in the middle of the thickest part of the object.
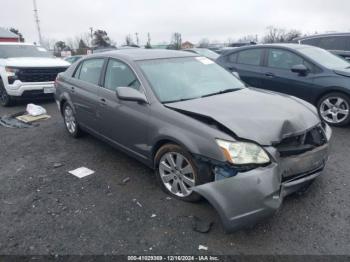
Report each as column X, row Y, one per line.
column 199, row 127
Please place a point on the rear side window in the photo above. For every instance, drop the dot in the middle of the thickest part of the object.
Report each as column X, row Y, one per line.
column 283, row 59
column 330, row 42
column 119, row 74
column 249, row 57
column 232, row 58
column 90, row 70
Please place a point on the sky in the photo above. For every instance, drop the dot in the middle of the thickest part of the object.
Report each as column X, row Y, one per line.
column 217, row 20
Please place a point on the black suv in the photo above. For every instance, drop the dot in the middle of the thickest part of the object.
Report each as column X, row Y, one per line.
column 337, row 43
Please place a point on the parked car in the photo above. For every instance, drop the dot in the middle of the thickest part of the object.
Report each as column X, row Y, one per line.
column 201, row 130
column 203, row 52
column 72, row 59
column 307, row 72
column 27, row 71
column 240, row 44
column 337, row 43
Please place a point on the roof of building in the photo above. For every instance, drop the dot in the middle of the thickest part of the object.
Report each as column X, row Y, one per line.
column 4, row 33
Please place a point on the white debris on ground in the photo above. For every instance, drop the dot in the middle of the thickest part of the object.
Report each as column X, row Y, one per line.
column 137, row 202
column 201, row 247
column 35, row 110
column 81, row 172
column 153, row 215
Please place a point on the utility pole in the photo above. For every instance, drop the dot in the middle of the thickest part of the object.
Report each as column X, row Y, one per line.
column 37, row 21
column 91, row 35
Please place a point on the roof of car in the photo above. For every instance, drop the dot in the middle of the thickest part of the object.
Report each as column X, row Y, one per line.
column 283, row 45
column 322, row 35
column 147, row 54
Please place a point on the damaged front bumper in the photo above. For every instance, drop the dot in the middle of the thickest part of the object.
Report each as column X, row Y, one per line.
column 247, row 197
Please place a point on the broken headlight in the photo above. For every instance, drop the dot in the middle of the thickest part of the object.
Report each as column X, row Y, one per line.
column 242, row 153
column 11, row 74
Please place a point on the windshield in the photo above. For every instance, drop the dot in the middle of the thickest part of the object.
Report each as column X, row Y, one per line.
column 208, row 53
column 177, row 79
column 324, row 57
column 7, row 51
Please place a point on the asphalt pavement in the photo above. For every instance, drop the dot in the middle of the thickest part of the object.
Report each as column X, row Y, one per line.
column 45, row 210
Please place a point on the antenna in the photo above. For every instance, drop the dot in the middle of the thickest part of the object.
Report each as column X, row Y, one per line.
column 37, row 21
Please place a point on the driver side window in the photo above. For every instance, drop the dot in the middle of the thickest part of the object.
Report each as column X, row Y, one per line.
column 283, row 59
column 119, row 74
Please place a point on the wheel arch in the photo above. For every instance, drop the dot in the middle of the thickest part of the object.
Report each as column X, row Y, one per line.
column 167, row 140
column 329, row 90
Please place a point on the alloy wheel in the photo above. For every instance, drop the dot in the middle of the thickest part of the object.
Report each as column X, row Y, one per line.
column 177, row 174
column 69, row 119
column 334, row 110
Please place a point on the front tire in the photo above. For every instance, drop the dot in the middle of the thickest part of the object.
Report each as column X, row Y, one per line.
column 5, row 99
column 70, row 121
column 177, row 172
column 334, row 108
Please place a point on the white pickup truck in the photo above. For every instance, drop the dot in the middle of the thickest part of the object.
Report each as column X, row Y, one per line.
column 27, row 71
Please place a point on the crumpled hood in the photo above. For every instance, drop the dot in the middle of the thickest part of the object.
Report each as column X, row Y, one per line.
column 36, row 62
column 342, row 72
column 259, row 115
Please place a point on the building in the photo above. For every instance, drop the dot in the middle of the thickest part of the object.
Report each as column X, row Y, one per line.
column 7, row 36
column 186, row 45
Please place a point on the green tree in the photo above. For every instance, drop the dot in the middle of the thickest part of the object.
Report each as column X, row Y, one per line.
column 101, row 39
column 16, row 31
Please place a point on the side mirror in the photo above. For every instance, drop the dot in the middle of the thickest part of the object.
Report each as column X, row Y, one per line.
column 300, row 69
column 130, row 94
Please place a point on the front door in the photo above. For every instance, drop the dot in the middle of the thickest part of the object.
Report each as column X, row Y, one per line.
column 277, row 74
column 124, row 122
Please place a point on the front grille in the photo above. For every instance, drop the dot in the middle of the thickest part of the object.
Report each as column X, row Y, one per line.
column 39, row 74
column 302, row 143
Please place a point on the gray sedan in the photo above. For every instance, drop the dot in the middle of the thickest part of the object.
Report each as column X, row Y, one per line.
column 203, row 132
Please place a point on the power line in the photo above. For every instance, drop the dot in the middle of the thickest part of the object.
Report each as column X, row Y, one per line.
column 37, row 21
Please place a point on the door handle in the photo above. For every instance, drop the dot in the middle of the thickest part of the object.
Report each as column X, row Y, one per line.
column 103, row 101
column 271, row 75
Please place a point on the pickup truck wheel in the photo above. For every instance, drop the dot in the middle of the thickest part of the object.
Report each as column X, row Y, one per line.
column 334, row 108
column 177, row 172
column 70, row 121
column 5, row 99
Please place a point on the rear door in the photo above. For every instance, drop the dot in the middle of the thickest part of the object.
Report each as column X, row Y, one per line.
column 247, row 63
column 279, row 77
column 124, row 122
column 84, row 91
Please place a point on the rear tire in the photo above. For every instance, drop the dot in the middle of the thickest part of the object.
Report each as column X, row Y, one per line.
column 5, row 99
column 334, row 108
column 177, row 172
column 70, row 121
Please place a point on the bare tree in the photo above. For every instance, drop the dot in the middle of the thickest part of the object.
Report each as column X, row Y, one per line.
column 148, row 44
column 290, row 35
column 280, row 35
column 203, row 43
column 248, row 38
column 48, row 43
column 128, row 40
column 176, row 41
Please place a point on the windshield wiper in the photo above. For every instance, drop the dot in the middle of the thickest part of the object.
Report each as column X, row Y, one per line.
column 222, row 92
column 178, row 100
